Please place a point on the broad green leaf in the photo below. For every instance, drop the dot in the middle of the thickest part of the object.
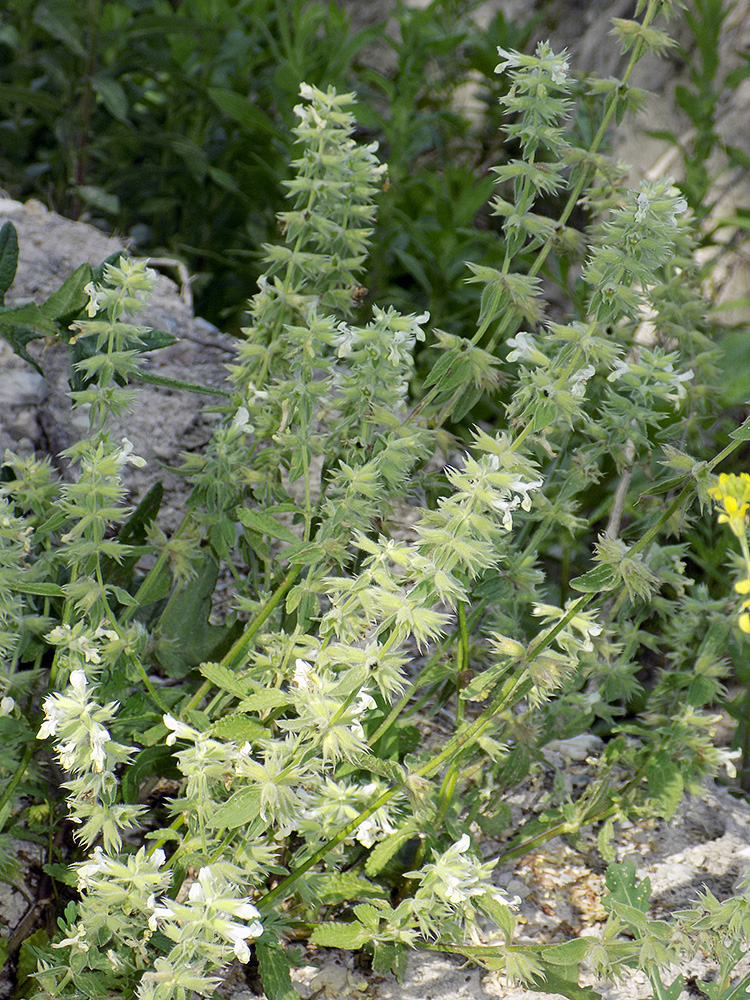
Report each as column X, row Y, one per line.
column 240, row 728
column 69, row 299
column 553, row 983
column 112, row 95
column 241, row 110
column 390, row 958
column 350, row 937
column 240, row 809
column 54, row 17
column 265, row 524
column 62, row 873
column 274, row 971
column 665, row 783
column 382, row 853
column 29, row 315
column 226, row 680
column 597, row 580
column 156, row 761
column 568, row 953
column 98, row 198
column 185, row 638
column 265, row 700
column 343, row 886
column 623, row 887
column 8, row 257
column 741, row 433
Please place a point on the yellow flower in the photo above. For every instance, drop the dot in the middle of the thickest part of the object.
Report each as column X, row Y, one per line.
column 732, row 497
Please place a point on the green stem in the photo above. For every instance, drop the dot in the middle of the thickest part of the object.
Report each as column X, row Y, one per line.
column 233, row 655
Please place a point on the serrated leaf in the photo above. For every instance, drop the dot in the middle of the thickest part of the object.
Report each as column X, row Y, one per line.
column 569, row 953
column 61, row 873
column 8, row 257
column 665, row 783
column 240, row 809
column 226, row 680
column 622, row 885
column 263, row 701
column 343, row 886
column 388, row 769
column 597, row 580
column 350, row 937
column 265, row 524
column 390, row 958
column 275, row 971
column 239, row 728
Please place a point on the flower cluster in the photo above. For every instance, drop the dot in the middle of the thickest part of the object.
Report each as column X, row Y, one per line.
column 85, row 748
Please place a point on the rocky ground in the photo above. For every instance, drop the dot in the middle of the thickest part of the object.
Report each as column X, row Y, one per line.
column 560, row 887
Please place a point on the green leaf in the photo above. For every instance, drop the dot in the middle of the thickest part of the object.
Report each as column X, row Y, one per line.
column 156, row 761
column 601, row 578
column 29, row 315
column 55, row 18
column 665, row 783
column 69, row 299
column 38, row 589
column 175, row 383
column 240, row 728
column 350, row 937
column 741, row 433
column 568, row 953
column 275, row 971
column 389, row 958
column 264, row 524
column 226, row 680
column 8, row 257
column 61, row 873
column 112, row 95
column 623, row 888
column 382, row 853
column 98, row 198
column 185, row 638
column 553, row 983
column 265, row 700
column 240, row 809
column 241, row 110
column 343, row 886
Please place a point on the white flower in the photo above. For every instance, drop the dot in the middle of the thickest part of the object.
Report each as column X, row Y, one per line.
column 643, row 203
column 95, row 299
column 241, row 421
column 619, row 369
column 79, row 682
column 7, row 704
column 306, row 91
column 125, row 455
column 578, row 385
column 180, row 731
column 304, row 675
